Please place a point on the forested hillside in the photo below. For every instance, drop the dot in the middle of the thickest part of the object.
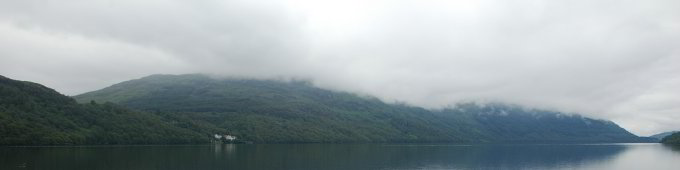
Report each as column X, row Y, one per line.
column 672, row 139
column 32, row 114
column 662, row 135
column 182, row 109
column 275, row 111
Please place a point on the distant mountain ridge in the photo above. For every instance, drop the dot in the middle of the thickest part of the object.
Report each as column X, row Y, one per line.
column 662, row 135
column 672, row 139
column 275, row 111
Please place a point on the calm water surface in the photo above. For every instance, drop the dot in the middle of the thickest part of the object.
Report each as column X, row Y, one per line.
column 344, row 156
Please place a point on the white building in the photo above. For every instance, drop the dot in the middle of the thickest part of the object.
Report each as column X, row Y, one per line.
column 229, row 137
column 225, row 137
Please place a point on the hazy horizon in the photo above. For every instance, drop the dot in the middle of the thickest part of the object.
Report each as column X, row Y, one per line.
column 610, row 60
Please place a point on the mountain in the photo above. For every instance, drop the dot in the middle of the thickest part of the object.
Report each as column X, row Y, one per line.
column 276, row 111
column 32, row 114
column 662, row 135
column 672, row 139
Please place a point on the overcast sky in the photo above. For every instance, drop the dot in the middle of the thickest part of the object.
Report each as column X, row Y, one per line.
column 609, row 59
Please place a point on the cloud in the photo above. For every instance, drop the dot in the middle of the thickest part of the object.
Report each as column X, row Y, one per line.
column 73, row 63
column 606, row 59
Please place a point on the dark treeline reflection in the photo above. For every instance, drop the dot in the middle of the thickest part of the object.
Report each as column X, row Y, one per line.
column 306, row 156
column 673, row 147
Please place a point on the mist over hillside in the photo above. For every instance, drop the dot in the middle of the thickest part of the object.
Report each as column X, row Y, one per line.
column 296, row 111
column 614, row 60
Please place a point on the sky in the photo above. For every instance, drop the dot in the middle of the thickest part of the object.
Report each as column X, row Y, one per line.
column 608, row 59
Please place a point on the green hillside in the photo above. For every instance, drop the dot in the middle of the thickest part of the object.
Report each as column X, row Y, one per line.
column 660, row 136
column 672, row 139
column 32, row 114
column 275, row 111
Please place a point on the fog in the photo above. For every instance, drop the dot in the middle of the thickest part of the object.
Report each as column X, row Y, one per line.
column 615, row 60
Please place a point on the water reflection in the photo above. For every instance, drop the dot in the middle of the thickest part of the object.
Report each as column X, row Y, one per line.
column 335, row 156
column 224, row 149
column 673, row 147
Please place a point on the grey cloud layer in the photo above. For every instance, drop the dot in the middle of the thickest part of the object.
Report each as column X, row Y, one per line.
column 607, row 59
